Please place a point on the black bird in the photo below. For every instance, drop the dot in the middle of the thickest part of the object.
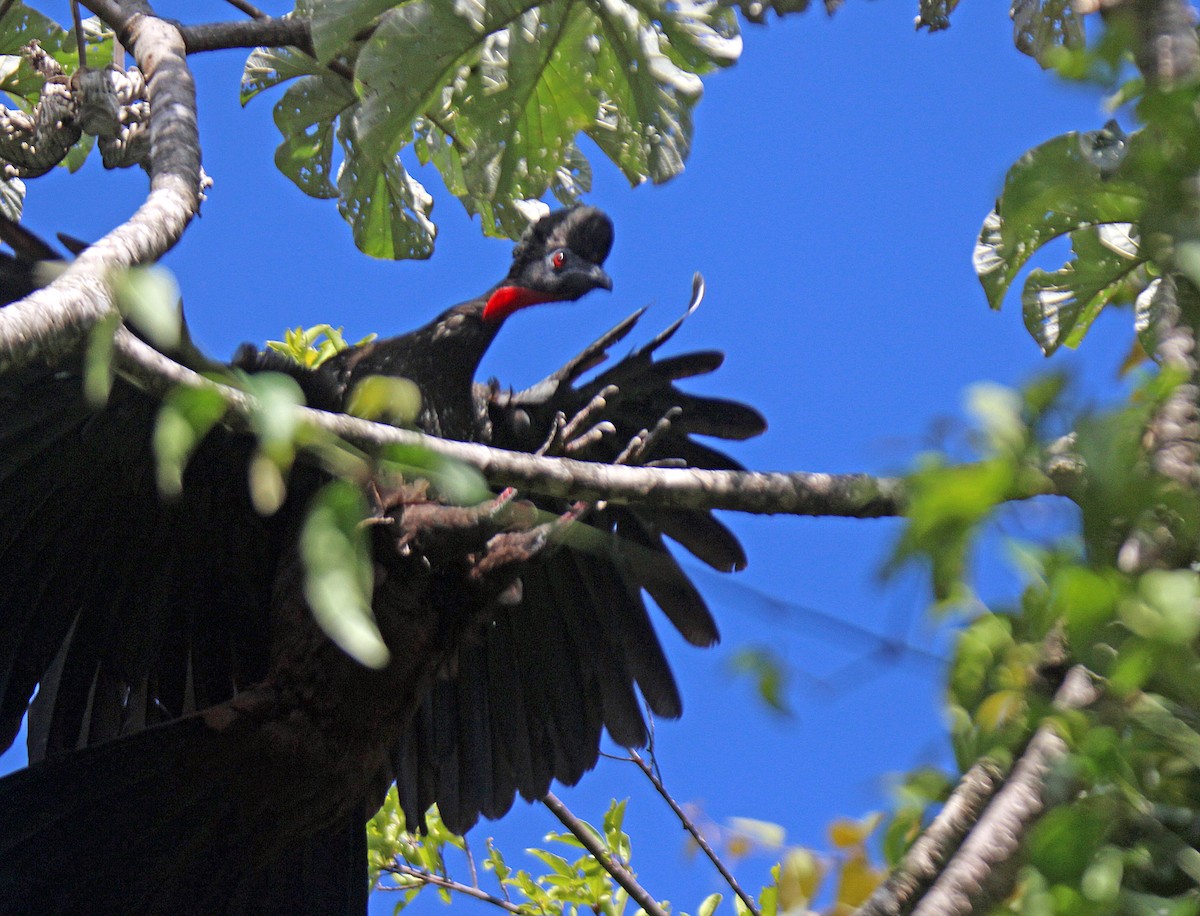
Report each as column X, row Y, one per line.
column 197, row 743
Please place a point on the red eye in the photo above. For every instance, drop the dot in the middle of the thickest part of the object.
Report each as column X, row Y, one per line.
column 558, row 259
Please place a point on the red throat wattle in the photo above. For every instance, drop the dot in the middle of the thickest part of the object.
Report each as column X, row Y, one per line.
column 508, row 299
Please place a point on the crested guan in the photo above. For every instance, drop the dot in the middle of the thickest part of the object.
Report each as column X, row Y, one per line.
column 197, row 743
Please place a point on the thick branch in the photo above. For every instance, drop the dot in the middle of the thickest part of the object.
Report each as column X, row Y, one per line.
column 983, row 868
column 251, row 33
column 927, row 856
column 851, row 495
column 53, row 321
column 794, row 493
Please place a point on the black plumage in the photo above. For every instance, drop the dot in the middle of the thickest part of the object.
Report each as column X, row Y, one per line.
column 186, row 701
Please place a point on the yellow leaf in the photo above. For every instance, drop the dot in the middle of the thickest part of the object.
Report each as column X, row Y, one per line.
column 857, row 880
column 799, row 877
column 847, row 834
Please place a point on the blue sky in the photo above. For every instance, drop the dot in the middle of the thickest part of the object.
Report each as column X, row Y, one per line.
column 838, row 179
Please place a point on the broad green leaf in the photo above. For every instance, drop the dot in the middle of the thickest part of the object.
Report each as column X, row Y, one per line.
column 509, row 83
column 78, row 154
column 517, row 118
column 1066, row 184
column 268, row 67
column 387, row 209
column 1101, row 882
column 336, row 22
column 338, row 572
column 413, row 56
column 305, row 116
column 20, row 26
column 1060, row 306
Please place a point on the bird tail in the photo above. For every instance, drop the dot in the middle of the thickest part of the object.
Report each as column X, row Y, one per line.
column 177, row 818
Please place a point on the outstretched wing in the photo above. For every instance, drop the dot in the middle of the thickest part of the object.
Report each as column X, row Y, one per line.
column 526, row 702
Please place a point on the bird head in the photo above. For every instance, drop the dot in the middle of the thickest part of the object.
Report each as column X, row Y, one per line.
column 558, row 259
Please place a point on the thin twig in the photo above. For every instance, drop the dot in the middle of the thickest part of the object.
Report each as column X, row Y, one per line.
column 470, row 862
column 427, row 877
column 80, row 41
column 248, row 9
column 691, row 828
column 620, row 874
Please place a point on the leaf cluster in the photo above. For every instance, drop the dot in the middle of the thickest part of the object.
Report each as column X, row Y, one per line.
column 493, row 94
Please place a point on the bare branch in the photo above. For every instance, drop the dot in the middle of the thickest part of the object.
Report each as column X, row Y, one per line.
column 792, row 493
column 691, row 828
column 270, row 32
column 983, row 868
column 620, row 874
column 428, row 877
column 847, row 495
column 248, row 9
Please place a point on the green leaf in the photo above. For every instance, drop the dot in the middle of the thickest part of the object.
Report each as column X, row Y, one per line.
column 454, row 481
column 770, row 675
column 386, row 398
column 305, row 116
column 338, row 573
column 646, row 94
column 387, row 209
column 496, row 92
column 336, row 22
column 709, row 905
column 269, row 67
column 186, row 417
column 97, row 360
column 1060, row 306
column 149, row 298
column 1068, row 183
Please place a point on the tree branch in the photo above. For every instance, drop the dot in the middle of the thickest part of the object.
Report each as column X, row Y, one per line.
column 251, row 33
column 428, row 877
column 54, row 321
column 983, row 868
column 726, row 874
column 620, row 874
column 927, row 856
column 760, row 493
